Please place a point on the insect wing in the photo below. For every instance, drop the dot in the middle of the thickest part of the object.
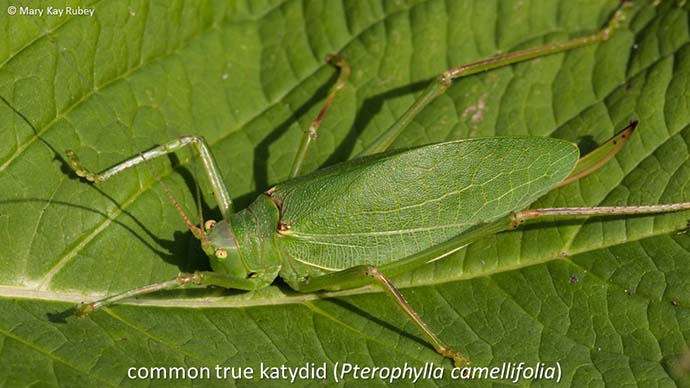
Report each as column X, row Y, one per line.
column 385, row 207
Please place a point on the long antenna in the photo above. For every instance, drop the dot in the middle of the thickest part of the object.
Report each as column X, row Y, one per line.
column 196, row 231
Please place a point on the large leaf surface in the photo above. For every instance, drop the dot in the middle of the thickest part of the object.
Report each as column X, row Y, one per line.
column 608, row 299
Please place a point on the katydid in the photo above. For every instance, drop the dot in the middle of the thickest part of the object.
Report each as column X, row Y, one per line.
column 387, row 212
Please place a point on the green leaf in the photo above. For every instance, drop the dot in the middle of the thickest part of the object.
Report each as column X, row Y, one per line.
column 605, row 298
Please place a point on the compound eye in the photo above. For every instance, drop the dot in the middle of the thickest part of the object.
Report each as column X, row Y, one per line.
column 221, row 253
column 208, row 225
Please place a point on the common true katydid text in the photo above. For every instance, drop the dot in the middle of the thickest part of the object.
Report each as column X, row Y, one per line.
column 403, row 208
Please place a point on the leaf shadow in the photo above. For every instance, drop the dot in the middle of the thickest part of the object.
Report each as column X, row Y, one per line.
column 61, row 316
column 102, row 214
column 371, row 106
column 339, row 301
column 350, row 307
column 261, row 151
column 586, row 144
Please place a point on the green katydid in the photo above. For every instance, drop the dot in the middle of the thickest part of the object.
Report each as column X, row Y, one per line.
column 388, row 212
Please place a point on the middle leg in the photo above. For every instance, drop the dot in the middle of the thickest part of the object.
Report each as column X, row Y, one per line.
column 310, row 135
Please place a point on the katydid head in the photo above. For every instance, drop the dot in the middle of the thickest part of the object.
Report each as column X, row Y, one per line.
column 217, row 238
column 237, row 250
column 243, row 245
column 220, row 243
column 256, row 259
column 223, row 250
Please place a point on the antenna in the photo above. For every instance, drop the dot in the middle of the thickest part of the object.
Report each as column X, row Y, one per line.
column 196, row 231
